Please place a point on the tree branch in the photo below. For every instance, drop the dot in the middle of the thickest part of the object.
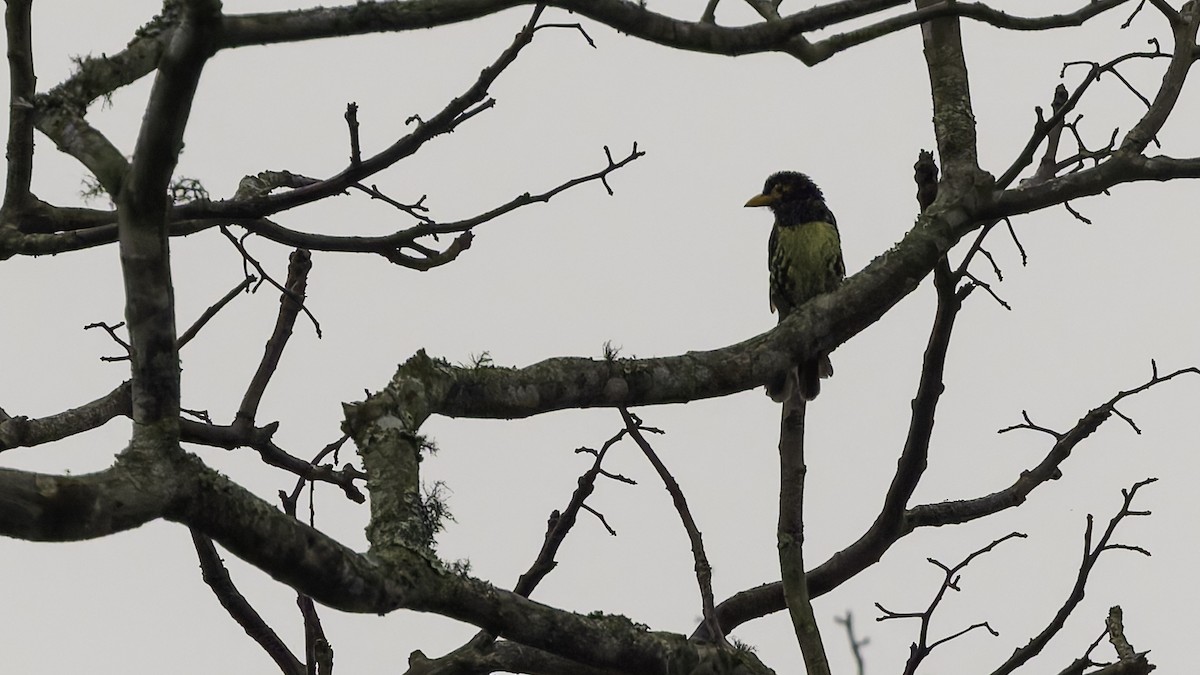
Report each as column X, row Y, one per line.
column 212, row 569
column 634, row 426
column 1090, row 556
column 1183, row 56
column 20, row 431
column 869, row 548
column 782, row 34
column 445, row 121
column 953, row 119
column 290, row 303
column 790, row 534
column 141, row 211
column 21, row 89
column 920, row 649
column 391, row 245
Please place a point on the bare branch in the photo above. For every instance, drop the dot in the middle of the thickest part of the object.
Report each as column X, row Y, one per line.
column 856, row 645
column 290, row 303
column 710, row 12
column 1028, row 424
column 1045, row 129
column 1172, row 15
column 979, row 283
column 317, row 650
column 141, row 221
column 21, row 84
column 259, row 439
column 889, row 528
column 558, row 526
column 953, row 119
column 790, row 534
column 1090, row 556
column 209, row 313
column 1184, row 32
column 352, row 125
column 633, row 425
column 416, row 210
column 1116, row 634
column 923, row 647
column 392, row 245
column 600, row 516
column 575, row 26
column 560, row 522
column 20, row 431
column 289, row 499
column 782, row 34
column 264, row 276
column 212, row 568
column 1046, row 169
column 111, row 329
column 452, row 115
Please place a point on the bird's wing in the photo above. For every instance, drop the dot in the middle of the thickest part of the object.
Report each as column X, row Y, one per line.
column 772, row 244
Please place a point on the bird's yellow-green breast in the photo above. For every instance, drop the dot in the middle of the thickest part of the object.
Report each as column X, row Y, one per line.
column 805, row 260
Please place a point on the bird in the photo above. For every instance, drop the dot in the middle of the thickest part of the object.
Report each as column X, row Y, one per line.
column 804, row 258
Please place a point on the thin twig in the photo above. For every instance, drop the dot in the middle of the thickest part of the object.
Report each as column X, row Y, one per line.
column 111, row 329
column 856, row 645
column 289, row 500
column 558, row 526
column 634, row 426
column 209, row 313
column 351, row 116
column 920, row 649
column 262, row 273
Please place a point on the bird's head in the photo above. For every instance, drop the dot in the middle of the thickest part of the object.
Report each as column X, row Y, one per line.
column 788, row 192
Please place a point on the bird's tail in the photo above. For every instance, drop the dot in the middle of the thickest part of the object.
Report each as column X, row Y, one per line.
column 804, row 379
column 810, row 374
column 780, row 387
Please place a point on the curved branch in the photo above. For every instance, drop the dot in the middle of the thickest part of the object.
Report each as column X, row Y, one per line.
column 214, row 573
column 1121, row 167
column 634, row 425
column 318, row 566
column 824, row 323
column 817, row 327
column 102, row 75
column 1182, row 58
column 823, row 49
column 454, row 113
column 626, row 17
column 782, row 34
column 73, row 135
column 986, row 14
column 18, row 432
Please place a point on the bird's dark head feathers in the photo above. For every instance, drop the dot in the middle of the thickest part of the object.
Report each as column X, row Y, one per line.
column 793, row 197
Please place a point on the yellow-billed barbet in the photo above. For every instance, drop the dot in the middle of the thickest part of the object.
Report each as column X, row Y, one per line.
column 804, row 256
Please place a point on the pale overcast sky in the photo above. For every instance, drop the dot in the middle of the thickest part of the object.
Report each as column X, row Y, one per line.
column 671, row 263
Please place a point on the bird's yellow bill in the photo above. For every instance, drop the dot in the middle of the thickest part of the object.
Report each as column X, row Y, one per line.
column 762, row 200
